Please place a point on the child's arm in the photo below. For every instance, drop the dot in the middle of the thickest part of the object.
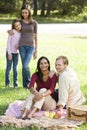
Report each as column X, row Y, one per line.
column 17, row 46
column 10, row 56
column 9, row 47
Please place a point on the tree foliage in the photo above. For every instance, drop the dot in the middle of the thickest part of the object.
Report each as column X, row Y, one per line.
column 62, row 7
column 10, row 6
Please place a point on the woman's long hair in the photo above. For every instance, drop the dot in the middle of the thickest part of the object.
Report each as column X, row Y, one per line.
column 38, row 70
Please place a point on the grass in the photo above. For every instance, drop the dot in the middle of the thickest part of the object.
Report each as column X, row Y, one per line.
column 50, row 45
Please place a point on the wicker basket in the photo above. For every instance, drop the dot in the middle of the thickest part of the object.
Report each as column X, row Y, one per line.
column 77, row 112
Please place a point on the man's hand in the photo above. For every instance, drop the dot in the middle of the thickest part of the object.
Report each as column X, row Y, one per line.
column 52, row 72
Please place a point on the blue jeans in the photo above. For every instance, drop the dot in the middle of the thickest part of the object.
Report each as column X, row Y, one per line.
column 26, row 53
column 8, row 69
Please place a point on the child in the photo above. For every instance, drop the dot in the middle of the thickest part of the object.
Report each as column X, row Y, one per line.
column 12, row 53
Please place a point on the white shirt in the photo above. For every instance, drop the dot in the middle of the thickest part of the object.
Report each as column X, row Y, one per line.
column 69, row 88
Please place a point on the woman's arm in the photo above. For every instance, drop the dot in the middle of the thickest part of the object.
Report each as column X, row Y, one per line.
column 32, row 90
column 37, row 96
column 36, row 45
column 48, row 92
column 10, row 32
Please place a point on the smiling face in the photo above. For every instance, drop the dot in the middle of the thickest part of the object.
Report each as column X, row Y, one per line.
column 59, row 65
column 25, row 13
column 44, row 65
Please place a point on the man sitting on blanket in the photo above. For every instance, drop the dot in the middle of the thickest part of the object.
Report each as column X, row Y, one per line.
column 69, row 88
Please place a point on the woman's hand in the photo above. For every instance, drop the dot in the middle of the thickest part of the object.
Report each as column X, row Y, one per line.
column 35, row 54
column 10, row 32
column 10, row 56
column 37, row 97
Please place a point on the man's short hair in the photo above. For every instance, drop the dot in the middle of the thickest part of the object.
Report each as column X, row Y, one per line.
column 64, row 58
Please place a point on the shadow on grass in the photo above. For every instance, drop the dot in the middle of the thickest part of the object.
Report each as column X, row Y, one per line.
column 80, row 37
column 8, row 90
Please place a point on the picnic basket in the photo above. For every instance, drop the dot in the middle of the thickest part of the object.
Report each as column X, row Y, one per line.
column 77, row 112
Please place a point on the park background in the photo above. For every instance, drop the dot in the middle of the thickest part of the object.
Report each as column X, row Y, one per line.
column 74, row 46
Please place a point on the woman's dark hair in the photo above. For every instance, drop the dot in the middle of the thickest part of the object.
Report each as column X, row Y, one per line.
column 13, row 23
column 27, row 8
column 38, row 70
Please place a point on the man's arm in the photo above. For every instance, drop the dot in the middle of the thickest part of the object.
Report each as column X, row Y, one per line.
column 63, row 92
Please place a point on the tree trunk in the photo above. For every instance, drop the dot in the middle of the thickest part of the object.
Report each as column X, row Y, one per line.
column 35, row 7
column 25, row 2
column 43, row 8
column 48, row 11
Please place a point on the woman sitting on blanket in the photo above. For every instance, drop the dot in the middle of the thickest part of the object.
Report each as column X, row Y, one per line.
column 41, row 97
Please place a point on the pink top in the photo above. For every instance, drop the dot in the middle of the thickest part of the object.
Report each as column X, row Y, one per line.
column 49, row 84
column 12, row 41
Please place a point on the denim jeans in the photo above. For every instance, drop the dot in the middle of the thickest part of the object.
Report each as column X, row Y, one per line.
column 8, row 69
column 26, row 53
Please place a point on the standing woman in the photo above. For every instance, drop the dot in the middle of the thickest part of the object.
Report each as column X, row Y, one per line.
column 27, row 43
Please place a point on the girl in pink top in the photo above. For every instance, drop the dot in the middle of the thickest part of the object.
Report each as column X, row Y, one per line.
column 12, row 53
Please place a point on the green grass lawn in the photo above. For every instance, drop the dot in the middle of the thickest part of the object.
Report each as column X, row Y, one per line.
column 50, row 45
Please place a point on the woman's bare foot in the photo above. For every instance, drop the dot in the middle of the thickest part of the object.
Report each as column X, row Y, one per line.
column 30, row 116
column 32, row 113
column 24, row 116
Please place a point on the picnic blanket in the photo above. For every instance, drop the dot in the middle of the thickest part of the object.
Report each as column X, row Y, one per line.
column 13, row 117
column 14, row 110
column 40, row 122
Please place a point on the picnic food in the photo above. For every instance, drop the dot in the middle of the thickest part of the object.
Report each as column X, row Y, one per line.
column 57, row 115
column 50, row 114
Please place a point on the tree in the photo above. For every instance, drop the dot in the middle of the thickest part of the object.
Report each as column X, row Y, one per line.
column 43, row 7
column 35, row 7
column 71, row 6
column 10, row 6
column 62, row 7
column 26, row 2
column 51, row 5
